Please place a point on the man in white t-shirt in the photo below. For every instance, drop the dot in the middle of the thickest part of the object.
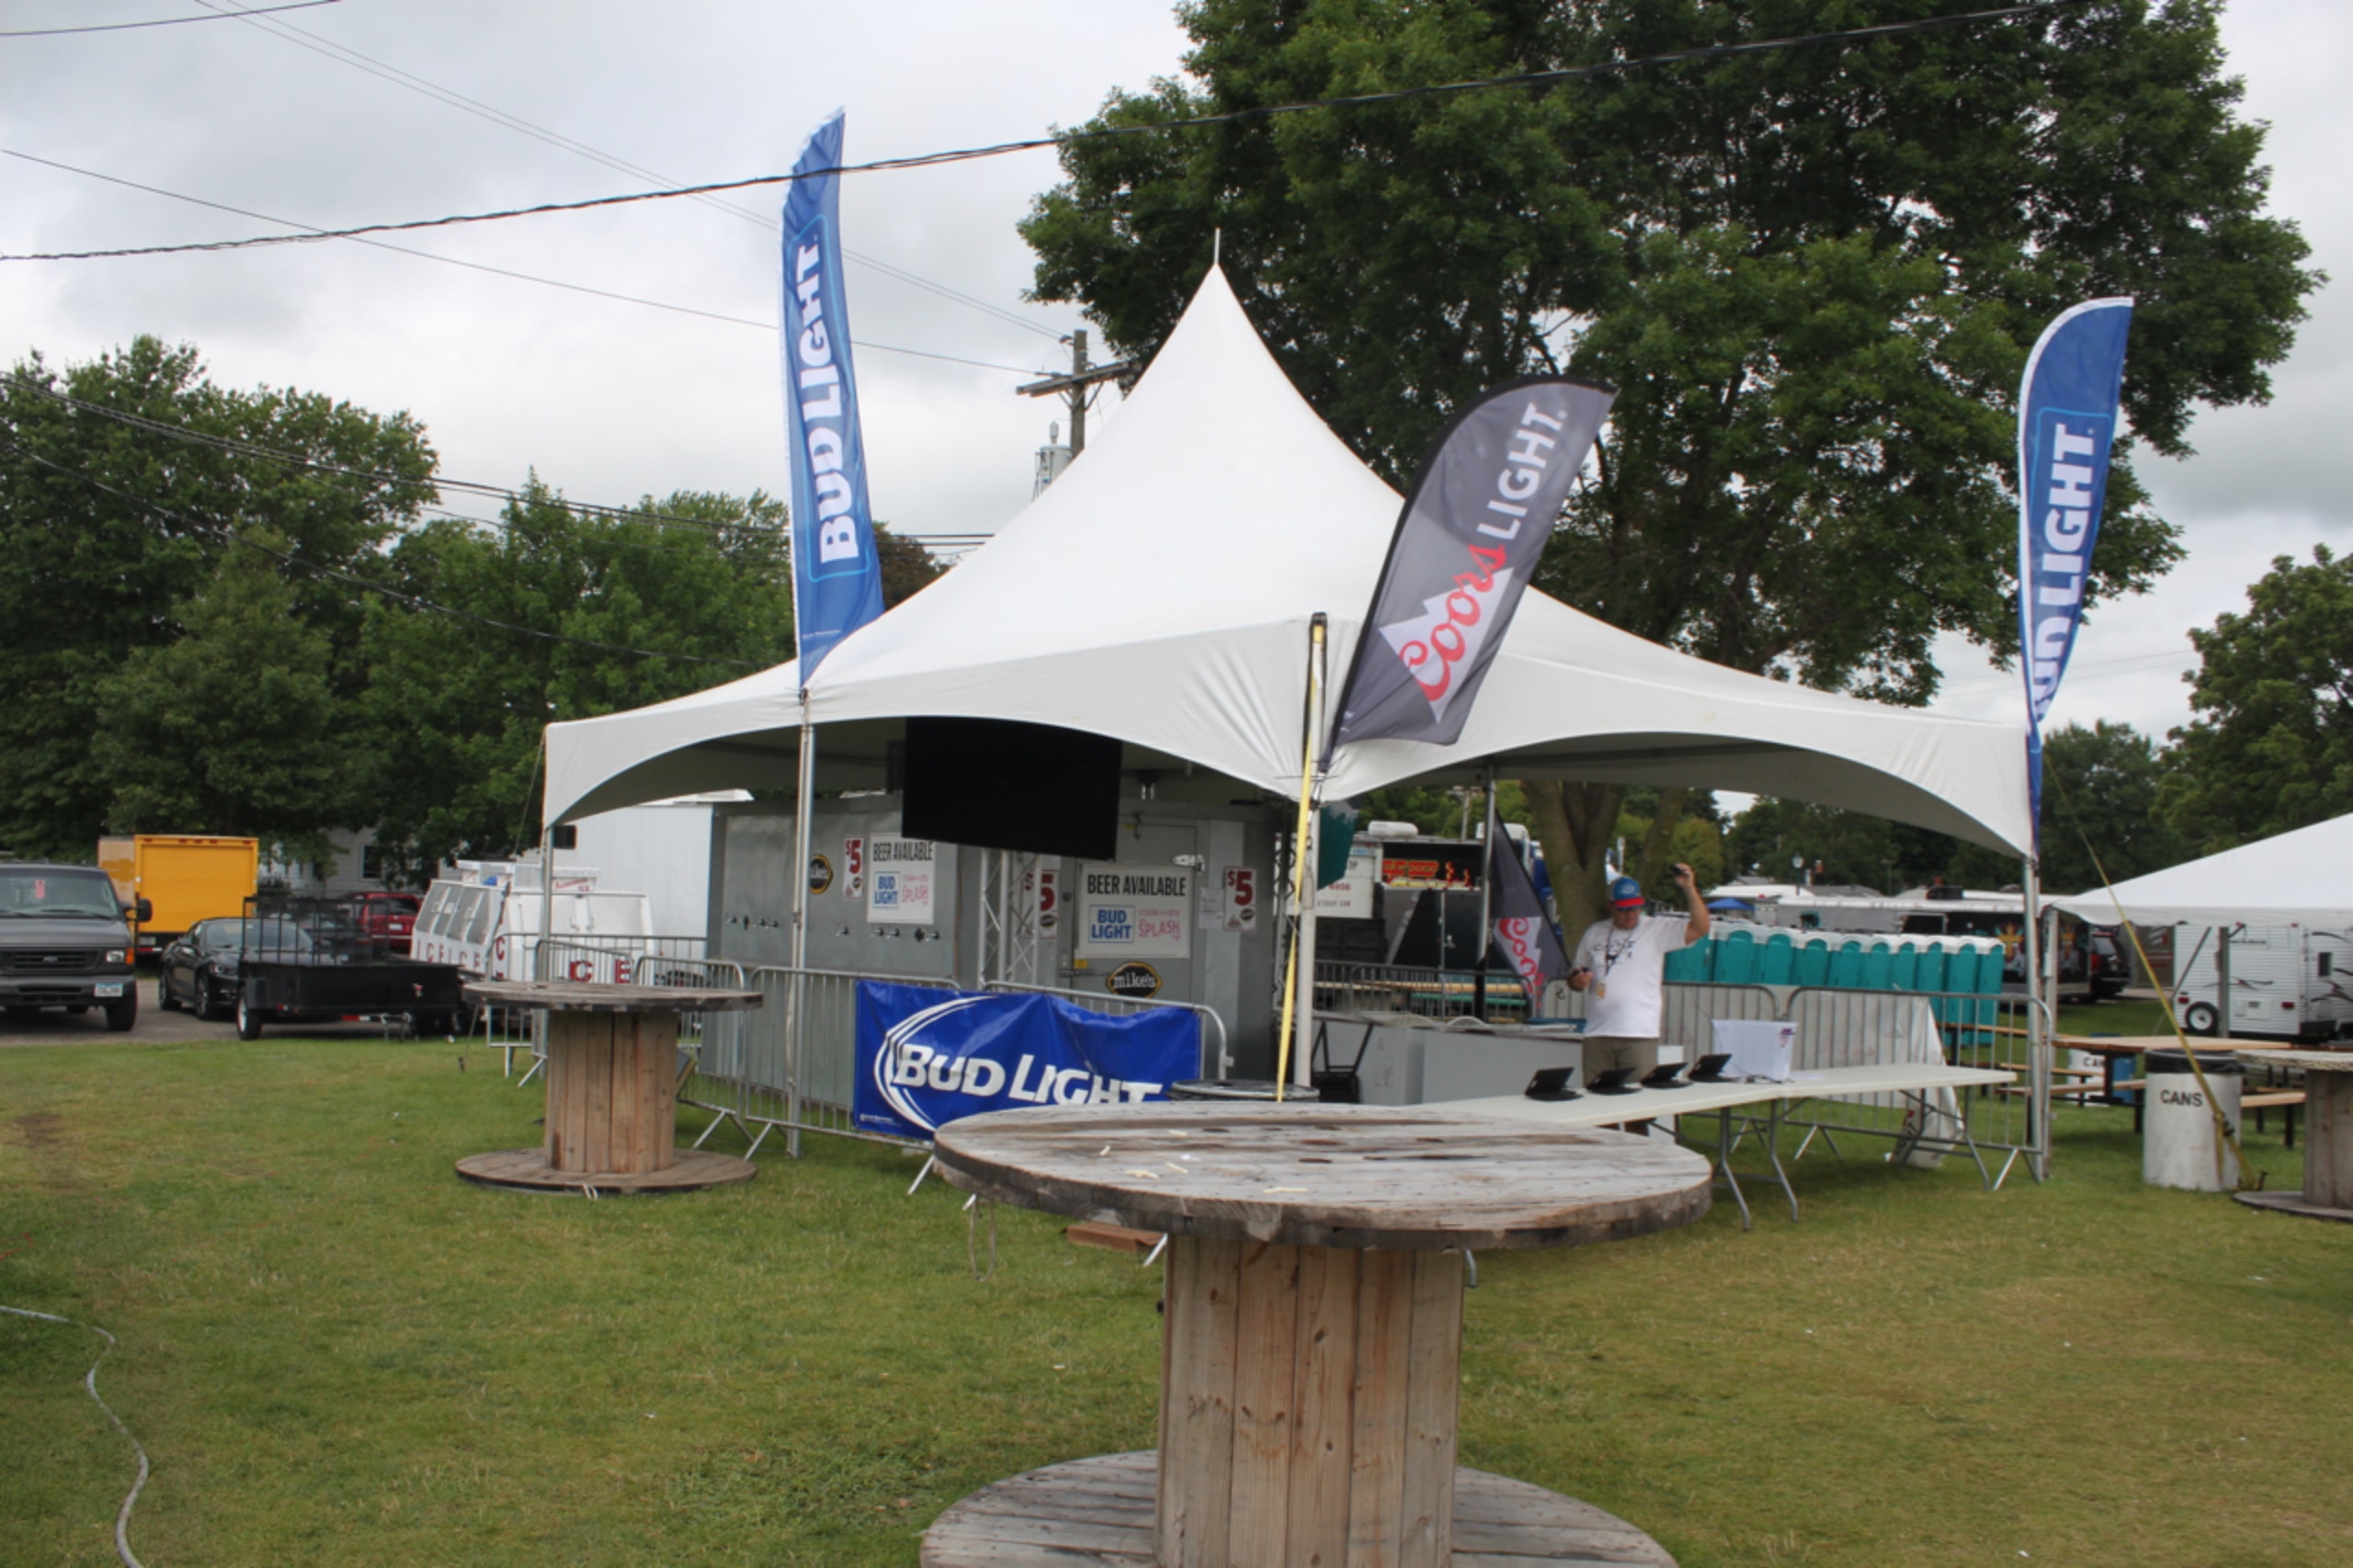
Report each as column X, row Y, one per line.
column 1620, row 965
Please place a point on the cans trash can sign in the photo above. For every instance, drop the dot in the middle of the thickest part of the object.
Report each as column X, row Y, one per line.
column 2179, row 1136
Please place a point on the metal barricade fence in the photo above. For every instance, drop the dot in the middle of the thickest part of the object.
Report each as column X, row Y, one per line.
column 1837, row 1027
column 1690, row 1009
column 1342, row 987
column 610, row 961
column 1217, row 1052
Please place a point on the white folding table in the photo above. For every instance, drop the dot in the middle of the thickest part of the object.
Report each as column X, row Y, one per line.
column 1912, row 1080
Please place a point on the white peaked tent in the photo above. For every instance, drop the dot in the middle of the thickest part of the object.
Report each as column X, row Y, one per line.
column 1161, row 592
column 2304, row 878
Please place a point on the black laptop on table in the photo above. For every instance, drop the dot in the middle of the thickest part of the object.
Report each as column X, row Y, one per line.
column 1613, row 1081
column 1551, row 1083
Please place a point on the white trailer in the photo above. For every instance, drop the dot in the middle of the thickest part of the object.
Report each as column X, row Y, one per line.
column 485, row 920
column 2284, row 981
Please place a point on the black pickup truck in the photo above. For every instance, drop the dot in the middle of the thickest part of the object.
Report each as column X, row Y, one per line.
column 64, row 943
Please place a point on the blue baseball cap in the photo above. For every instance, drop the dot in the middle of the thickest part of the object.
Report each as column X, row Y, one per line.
column 1625, row 893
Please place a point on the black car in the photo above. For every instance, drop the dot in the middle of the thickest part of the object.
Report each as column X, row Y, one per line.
column 199, row 971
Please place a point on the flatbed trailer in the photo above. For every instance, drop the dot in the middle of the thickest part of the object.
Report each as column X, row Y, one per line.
column 312, row 961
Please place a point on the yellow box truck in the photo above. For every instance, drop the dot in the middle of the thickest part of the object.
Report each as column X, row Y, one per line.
column 185, row 877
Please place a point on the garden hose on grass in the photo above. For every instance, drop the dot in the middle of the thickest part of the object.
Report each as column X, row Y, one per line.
column 90, row 1381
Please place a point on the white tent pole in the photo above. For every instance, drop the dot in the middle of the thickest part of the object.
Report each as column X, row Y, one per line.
column 2041, row 998
column 804, row 799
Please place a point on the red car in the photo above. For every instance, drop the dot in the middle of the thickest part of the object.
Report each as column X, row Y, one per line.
column 390, row 916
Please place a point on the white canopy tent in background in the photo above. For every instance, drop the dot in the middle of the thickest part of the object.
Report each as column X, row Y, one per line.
column 1161, row 593
column 2304, row 878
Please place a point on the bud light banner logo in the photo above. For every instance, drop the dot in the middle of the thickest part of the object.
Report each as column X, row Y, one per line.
column 927, row 1057
column 836, row 575
column 2066, row 424
column 1482, row 511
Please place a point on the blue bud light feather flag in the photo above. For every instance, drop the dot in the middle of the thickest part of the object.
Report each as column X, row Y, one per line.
column 836, row 575
column 2067, row 406
column 1480, row 513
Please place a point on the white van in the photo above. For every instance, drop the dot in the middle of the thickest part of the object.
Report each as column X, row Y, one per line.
column 486, row 921
column 2286, row 982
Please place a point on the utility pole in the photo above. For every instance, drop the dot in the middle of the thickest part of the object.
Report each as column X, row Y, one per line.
column 1075, row 386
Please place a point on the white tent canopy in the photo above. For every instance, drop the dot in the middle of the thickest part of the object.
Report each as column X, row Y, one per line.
column 2304, row 878
column 1161, row 592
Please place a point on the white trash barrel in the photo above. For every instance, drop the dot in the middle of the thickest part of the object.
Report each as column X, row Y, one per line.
column 2177, row 1145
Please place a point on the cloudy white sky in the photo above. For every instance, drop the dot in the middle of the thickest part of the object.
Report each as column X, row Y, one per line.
column 608, row 400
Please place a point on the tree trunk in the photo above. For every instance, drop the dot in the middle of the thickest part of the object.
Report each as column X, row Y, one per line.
column 1658, row 846
column 1574, row 823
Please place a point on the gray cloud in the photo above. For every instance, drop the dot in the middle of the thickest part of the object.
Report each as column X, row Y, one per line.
column 610, row 401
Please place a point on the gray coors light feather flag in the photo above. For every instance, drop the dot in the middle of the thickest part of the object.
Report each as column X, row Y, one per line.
column 1465, row 547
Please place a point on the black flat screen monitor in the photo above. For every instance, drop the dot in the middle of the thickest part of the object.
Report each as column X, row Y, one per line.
column 1614, row 1081
column 997, row 784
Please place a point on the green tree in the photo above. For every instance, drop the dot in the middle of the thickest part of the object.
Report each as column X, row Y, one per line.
column 2102, row 785
column 1812, row 274
column 613, row 612
column 114, row 529
column 2272, row 747
column 234, row 726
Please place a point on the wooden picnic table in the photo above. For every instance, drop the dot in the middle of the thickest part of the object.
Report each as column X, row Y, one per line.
column 2328, row 1132
column 612, row 1089
column 1312, row 1342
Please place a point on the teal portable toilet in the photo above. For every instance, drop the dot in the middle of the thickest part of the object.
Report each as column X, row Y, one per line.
column 1847, row 966
column 1930, row 974
column 1812, row 966
column 1690, row 965
column 1737, row 959
column 1903, row 973
column 1775, row 964
column 1878, row 965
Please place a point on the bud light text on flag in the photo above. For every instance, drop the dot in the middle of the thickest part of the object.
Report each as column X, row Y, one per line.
column 837, row 573
column 2067, row 413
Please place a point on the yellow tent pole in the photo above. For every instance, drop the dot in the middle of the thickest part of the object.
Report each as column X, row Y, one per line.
column 1302, row 871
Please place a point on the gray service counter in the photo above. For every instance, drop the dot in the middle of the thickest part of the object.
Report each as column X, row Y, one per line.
column 1407, row 1060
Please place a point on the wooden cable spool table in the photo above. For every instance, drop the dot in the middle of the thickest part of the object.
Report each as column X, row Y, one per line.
column 2328, row 1132
column 1312, row 1346
column 612, row 1095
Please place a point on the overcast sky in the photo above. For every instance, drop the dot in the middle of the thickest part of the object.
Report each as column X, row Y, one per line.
column 610, row 401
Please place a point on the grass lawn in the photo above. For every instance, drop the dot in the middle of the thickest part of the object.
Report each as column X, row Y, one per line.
column 336, row 1352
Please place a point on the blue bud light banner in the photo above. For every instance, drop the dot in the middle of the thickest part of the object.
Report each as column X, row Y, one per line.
column 926, row 1057
column 836, row 575
column 2067, row 407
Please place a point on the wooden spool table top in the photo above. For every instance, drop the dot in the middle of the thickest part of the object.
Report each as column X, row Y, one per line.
column 2311, row 1061
column 1406, row 1177
column 595, row 996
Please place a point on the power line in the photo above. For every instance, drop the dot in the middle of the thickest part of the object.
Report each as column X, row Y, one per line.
column 231, row 537
column 967, row 155
column 489, row 492
column 344, row 54
column 496, row 271
column 161, row 22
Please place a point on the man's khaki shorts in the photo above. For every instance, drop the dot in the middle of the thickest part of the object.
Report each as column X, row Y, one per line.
column 1604, row 1052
